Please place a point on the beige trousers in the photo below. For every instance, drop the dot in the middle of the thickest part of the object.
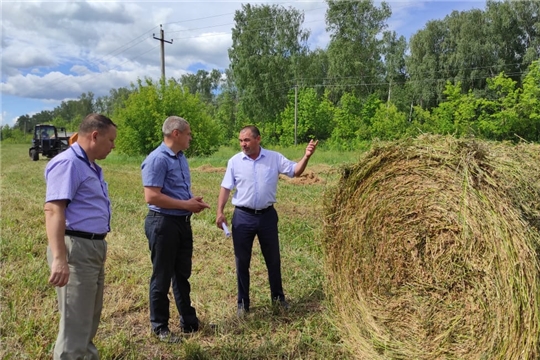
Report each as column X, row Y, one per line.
column 80, row 301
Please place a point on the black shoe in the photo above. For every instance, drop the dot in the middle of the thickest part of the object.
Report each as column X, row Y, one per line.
column 190, row 328
column 167, row 336
column 282, row 303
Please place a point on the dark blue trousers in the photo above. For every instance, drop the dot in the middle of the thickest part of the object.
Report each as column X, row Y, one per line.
column 244, row 228
column 171, row 247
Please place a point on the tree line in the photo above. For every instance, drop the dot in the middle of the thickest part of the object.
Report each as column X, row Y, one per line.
column 473, row 73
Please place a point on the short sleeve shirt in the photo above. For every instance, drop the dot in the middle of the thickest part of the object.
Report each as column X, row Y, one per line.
column 256, row 180
column 70, row 176
column 169, row 171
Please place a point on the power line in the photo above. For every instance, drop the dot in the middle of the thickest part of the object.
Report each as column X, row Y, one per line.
column 125, row 47
column 280, row 90
column 270, row 27
column 140, row 39
column 197, row 19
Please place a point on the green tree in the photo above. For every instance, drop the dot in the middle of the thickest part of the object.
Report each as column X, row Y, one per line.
column 141, row 118
column 389, row 123
column 469, row 58
column 394, row 50
column 528, row 107
column 13, row 135
column 6, row 133
column 395, row 73
column 498, row 118
column 108, row 103
column 61, row 123
column 313, row 71
column 471, row 46
column 42, row 117
column 267, row 42
column 514, row 32
column 424, row 64
column 313, row 118
column 457, row 115
column 348, row 122
column 74, row 111
column 226, row 113
column 203, row 83
column 85, row 106
column 370, row 106
column 355, row 49
column 24, row 123
column 325, row 118
column 421, row 122
column 456, row 49
column 511, row 112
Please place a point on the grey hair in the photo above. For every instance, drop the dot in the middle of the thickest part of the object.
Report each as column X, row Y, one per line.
column 174, row 123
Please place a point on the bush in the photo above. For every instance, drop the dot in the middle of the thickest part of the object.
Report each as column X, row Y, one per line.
column 141, row 119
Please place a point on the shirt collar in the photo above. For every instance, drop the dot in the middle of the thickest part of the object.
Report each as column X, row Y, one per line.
column 262, row 153
column 168, row 150
column 81, row 154
column 79, row 151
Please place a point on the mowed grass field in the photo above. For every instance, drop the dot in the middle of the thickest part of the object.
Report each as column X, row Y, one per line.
column 29, row 319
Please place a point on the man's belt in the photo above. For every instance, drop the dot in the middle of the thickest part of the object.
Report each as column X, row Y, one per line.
column 183, row 218
column 85, row 235
column 253, row 211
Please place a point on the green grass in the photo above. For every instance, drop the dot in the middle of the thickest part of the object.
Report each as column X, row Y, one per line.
column 29, row 320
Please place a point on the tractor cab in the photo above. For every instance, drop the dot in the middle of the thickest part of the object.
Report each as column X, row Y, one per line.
column 48, row 141
column 45, row 135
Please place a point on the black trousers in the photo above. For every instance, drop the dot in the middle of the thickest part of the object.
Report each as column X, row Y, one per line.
column 170, row 240
column 244, row 228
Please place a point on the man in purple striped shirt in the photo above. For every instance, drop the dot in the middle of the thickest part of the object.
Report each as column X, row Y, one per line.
column 77, row 219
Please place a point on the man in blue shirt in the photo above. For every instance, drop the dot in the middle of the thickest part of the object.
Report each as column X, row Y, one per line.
column 77, row 219
column 167, row 190
column 254, row 173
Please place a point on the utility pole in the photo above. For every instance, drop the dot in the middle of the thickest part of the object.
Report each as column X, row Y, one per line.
column 163, row 41
column 389, row 91
column 295, row 111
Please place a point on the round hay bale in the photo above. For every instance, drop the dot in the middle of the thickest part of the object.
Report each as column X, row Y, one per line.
column 432, row 251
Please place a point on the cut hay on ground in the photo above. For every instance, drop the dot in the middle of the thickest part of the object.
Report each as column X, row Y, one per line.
column 432, row 251
column 307, row 178
column 206, row 168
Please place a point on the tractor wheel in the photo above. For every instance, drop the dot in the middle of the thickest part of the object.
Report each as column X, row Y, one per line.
column 34, row 155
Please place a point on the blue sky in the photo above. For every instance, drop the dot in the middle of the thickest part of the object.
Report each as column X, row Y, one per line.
column 54, row 51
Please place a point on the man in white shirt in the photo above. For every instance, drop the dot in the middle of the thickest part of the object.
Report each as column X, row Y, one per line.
column 254, row 173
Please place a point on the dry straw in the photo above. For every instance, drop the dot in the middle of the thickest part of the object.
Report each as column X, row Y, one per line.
column 432, row 251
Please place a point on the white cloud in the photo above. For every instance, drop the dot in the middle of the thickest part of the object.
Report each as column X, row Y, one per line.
column 79, row 70
column 57, row 50
column 71, row 44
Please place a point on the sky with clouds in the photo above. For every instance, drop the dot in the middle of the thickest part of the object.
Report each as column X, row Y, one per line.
column 56, row 50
